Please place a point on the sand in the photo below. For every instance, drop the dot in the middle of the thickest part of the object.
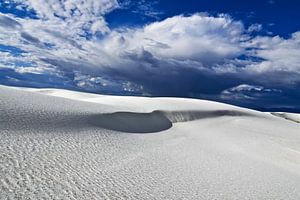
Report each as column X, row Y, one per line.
column 59, row 144
column 295, row 117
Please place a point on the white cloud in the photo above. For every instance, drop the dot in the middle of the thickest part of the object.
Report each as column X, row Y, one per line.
column 199, row 40
column 248, row 88
column 198, row 37
column 246, row 91
column 155, row 55
column 279, row 54
column 254, row 28
column 73, row 14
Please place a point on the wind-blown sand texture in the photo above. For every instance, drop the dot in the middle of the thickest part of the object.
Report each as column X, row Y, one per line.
column 59, row 144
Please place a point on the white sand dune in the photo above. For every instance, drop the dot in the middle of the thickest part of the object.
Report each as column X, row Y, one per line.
column 59, row 144
column 289, row 116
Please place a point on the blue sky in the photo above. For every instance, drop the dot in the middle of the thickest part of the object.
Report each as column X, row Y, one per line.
column 240, row 52
column 278, row 17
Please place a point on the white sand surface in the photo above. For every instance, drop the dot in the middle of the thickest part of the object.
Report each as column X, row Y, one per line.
column 289, row 116
column 59, row 144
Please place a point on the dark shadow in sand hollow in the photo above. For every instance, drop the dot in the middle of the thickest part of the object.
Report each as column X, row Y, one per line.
column 155, row 121
column 132, row 122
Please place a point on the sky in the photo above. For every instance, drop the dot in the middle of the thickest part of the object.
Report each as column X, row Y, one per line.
column 244, row 53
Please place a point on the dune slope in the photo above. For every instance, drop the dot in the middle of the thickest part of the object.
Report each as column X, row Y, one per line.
column 58, row 144
column 289, row 116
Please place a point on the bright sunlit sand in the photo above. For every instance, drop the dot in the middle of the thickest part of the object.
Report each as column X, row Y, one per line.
column 60, row 144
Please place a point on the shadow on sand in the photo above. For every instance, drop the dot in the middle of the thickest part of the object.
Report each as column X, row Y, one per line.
column 155, row 121
column 133, row 122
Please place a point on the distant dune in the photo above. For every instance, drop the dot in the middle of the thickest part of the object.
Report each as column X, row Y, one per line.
column 60, row 144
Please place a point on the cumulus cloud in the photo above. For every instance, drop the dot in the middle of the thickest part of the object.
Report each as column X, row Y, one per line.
column 201, row 42
column 198, row 37
column 279, row 54
column 197, row 55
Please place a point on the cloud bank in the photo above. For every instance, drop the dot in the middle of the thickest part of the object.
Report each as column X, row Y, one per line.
column 199, row 55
